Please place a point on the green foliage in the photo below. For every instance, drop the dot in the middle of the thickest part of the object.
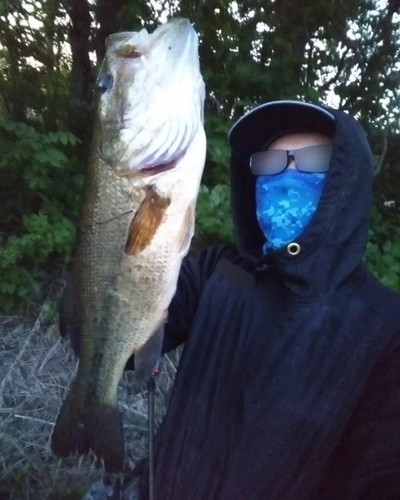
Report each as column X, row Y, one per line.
column 213, row 219
column 40, row 190
column 383, row 250
column 133, row 16
column 344, row 52
column 218, row 152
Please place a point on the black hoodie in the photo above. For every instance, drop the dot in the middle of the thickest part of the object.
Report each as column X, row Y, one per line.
column 289, row 383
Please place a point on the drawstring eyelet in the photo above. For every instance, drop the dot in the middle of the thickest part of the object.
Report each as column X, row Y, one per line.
column 293, row 249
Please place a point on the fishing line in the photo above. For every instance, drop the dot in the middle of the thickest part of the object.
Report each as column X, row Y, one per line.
column 150, row 388
column 117, row 489
column 113, row 218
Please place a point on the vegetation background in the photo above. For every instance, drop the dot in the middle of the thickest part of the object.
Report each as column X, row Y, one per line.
column 342, row 52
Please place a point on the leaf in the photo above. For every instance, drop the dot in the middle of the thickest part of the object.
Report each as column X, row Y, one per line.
column 396, row 250
column 42, row 157
column 387, row 247
column 214, row 197
column 7, row 287
column 64, row 138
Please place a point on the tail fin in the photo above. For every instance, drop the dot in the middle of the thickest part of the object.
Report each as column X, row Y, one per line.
column 84, row 424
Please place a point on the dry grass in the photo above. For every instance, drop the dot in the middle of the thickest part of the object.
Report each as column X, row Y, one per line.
column 36, row 367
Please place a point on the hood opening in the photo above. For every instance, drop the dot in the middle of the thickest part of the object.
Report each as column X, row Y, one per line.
column 332, row 246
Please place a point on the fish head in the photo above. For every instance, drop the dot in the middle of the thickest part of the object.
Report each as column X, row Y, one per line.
column 152, row 97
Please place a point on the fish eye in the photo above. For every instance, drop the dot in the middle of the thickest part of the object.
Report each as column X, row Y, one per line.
column 105, row 82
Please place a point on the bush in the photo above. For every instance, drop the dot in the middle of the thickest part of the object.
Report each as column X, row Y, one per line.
column 213, row 220
column 41, row 184
column 383, row 250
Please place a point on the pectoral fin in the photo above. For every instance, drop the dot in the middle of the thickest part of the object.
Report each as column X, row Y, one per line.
column 146, row 221
column 186, row 230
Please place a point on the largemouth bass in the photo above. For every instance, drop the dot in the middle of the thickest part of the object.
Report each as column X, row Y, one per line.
column 136, row 224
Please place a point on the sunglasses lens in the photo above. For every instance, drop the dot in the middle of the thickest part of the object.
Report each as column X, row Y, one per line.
column 268, row 162
column 314, row 158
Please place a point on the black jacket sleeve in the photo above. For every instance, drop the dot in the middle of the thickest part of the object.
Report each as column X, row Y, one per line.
column 195, row 271
column 366, row 463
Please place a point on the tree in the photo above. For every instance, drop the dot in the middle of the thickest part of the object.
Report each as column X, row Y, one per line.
column 81, row 76
column 344, row 52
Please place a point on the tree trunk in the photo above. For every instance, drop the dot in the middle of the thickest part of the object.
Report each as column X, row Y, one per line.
column 107, row 16
column 81, row 71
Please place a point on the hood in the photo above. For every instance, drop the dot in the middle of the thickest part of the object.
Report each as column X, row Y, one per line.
column 332, row 247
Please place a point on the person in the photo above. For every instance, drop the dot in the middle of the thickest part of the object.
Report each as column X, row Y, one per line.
column 288, row 386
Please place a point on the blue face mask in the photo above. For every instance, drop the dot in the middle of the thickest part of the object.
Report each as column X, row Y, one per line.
column 285, row 203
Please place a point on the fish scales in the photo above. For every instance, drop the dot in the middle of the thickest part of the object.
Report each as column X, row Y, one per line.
column 143, row 299
column 136, row 224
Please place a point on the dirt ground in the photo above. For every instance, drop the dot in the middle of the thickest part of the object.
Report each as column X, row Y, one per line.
column 36, row 368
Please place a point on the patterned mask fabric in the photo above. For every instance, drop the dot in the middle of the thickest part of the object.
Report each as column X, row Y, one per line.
column 285, row 203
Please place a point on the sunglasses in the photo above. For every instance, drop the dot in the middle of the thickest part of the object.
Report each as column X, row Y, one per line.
column 313, row 159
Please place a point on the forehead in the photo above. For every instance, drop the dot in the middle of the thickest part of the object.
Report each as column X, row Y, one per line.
column 295, row 140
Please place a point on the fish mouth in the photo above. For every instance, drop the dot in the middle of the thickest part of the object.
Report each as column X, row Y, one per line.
column 176, row 38
column 180, row 41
